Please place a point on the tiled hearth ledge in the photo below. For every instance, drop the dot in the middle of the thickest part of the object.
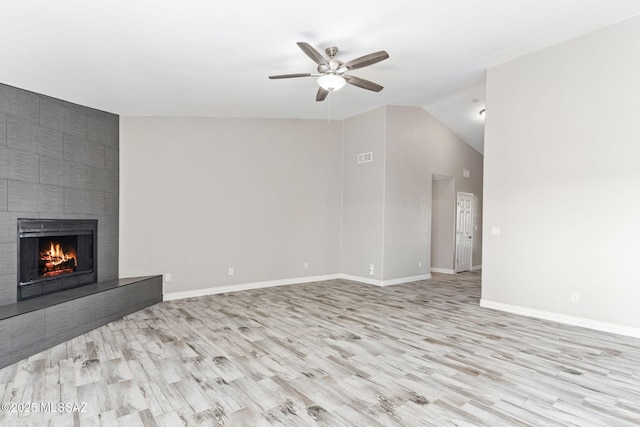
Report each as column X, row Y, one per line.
column 31, row 326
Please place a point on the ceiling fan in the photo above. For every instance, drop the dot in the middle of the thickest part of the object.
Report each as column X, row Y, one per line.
column 332, row 72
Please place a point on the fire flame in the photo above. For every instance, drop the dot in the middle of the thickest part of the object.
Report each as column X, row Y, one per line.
column 54, row 257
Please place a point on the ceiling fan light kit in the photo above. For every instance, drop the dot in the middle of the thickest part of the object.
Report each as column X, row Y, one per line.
column 332, row 72
column 331, row 82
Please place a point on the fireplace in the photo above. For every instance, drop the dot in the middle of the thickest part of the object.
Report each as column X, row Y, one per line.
column 55, row 254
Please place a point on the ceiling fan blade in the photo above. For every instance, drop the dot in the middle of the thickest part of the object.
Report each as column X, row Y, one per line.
column 322, row 94
column 289, row 76
column 365, row 61
column 312, row 53
column 364, row 84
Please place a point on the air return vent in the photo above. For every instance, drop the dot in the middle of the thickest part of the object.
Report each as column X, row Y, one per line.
column 365, row 157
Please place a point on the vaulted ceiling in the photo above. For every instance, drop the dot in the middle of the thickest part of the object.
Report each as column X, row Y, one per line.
column 208, row 58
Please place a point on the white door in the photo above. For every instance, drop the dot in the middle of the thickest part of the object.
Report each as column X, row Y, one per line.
column 464, row 232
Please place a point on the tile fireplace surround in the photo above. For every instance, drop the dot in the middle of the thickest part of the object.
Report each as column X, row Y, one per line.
column 60, row 160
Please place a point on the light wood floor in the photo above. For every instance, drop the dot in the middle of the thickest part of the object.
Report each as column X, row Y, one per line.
column 333, row 353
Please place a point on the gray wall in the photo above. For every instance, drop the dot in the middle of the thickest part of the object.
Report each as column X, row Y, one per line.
column 264, row 196
column 392, row 195
column 201, row 195
column 57, row 160
column 363, row 195
column 443, row 224
column 418, row 146
column 562, row 145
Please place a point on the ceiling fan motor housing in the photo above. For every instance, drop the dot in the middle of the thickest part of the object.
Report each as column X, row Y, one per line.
column 333, row 66
column 331, row 51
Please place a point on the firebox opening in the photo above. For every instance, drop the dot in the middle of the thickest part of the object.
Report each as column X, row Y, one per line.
column 57, row 256
column 54, row 255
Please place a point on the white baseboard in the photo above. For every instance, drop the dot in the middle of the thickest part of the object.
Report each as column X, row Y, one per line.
column 246, row 286
column 563, row 318
column 389, row 282
column 406, row 279
column 272, row 283
column 450, row 271
column 442, row 270
column 367, row 280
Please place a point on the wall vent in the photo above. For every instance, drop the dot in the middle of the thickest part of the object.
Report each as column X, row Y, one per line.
column 365, row 157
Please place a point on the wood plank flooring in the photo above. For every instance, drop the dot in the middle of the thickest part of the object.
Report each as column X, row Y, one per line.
column 334, row 353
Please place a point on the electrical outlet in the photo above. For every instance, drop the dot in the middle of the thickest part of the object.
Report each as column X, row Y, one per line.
column 370, row 269
column 419, row 264
column 230, row 271
column 167, row 277
column 306, row 265
column 575, row 297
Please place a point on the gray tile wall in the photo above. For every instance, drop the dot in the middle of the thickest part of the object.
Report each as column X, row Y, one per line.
column 57, row 160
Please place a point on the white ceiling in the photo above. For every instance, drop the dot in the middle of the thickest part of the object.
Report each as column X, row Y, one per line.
column 210, row 58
